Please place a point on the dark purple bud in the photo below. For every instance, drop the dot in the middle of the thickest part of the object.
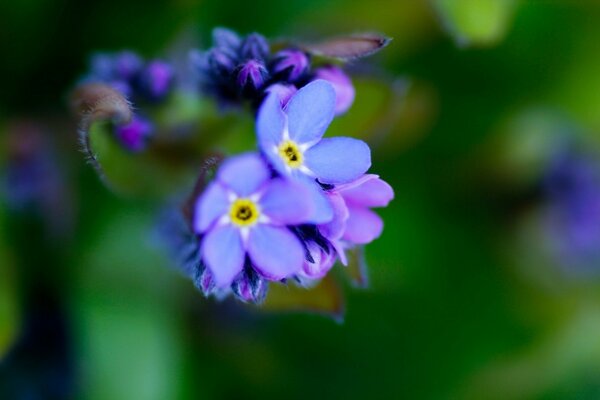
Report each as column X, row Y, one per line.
column 204, row 281
column 220, row 61
column 252, row 74
column 134, row 136
column 156, row 79
column 342, row 84
column 226, row 39
column 290, row 64
column 127, row 65
column 122, row 87
column 283, row 91
column 255, row 46
column 250, row 287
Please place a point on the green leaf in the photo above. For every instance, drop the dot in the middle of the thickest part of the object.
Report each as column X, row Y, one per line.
column 476, row 22
column 388, row 115
column 9, row 305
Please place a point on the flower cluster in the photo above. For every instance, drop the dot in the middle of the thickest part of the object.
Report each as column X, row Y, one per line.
column 237, row 69
column 572, row 193
column 140, row 82
column 290, row 210
column 285, row 212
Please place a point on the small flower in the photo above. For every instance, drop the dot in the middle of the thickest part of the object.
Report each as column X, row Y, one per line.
column 342, row 84
column 134, row 136
column 292, row 141
column 290, row 65
column 354, row 222
column 244, row 215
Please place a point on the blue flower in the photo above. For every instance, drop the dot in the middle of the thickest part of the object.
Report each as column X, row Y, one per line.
column 244, row 216
column 292, row 138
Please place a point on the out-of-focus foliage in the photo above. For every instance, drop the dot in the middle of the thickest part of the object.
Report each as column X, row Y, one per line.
column 476, row 22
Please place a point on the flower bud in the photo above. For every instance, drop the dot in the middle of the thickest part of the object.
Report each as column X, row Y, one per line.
column 134, row 135
column 250, row 287
column 221, row 62
column 342, row 84
column 290, row 64
column 226, row 39
column 156, row 79
column 252, row 74
column 318, row 261
column 204, row 281
column 255, row 46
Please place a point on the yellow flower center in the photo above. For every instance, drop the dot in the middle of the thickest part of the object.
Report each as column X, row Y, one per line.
column 244, row 212
column 291, row 154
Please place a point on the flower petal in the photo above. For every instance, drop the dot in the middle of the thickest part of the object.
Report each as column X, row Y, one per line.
column 244, row 174
column 334, row 229
column 310, row 111
column 210, row 205
column 373, row 192
column 276, row 253
column 223, row 253
column 338, row 160
column 322, row 208
column 287, row 202
column 270, row 122
column 363, row 226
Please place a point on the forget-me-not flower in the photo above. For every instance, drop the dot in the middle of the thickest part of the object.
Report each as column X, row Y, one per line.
column 244, row 214
column 292, row 138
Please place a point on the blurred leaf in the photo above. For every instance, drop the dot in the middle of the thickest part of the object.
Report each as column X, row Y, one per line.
column 349, row 47
column 569, row 350
column 126, row 324
column 389, row 115
column 357, row 269
column 326, row 298
column 9, row 304
column 476, row 22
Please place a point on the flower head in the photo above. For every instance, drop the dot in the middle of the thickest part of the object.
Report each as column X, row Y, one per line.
column 292, row 138
column 244, row 216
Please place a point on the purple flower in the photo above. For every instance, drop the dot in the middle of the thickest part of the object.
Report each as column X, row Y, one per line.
column 129, row 74
column 134, row 136
column 243, row 215
column 572, row 190
column 292, row 141
column 354, row 222
column 290, row 64
column 342, row 84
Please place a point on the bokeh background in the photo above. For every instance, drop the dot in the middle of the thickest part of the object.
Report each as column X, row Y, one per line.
column 470, row 295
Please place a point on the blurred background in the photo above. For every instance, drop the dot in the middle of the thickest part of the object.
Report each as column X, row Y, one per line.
column 482, row 114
